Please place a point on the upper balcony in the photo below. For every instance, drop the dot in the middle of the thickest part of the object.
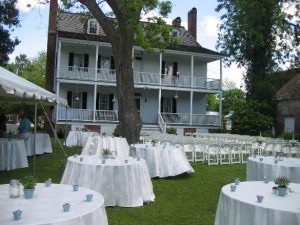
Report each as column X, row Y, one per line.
column 140, row 78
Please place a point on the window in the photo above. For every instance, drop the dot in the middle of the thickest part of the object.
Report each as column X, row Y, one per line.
column 289, row 124
column 105, row 62
column 77, row 100
column 93, row 27
column 78, row 60
column 104, row 102
column 167, row 105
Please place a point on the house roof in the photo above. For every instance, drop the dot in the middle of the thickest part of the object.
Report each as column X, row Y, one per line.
column 73, row 25
column 291, row 90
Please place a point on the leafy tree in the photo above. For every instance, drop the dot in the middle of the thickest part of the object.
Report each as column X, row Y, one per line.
column 212, row 103
column 122, row 32
column 258, row 35
column 247, row 119
column 232, row 98
column 9, row 18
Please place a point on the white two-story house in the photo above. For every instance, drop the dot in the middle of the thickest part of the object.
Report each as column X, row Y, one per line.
column 171, row 87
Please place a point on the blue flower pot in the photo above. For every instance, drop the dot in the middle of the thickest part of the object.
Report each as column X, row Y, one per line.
column 28, row 193
column 281, row 191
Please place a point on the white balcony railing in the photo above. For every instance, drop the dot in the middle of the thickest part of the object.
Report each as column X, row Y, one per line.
column 140, row 78
column 71, row 114
column 106, row 115
column 197, row 119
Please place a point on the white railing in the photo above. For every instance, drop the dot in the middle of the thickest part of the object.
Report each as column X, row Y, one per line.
column 203, row 119
column 140, row 78
column 176, row 118
column 106, row 115
column 197, row 119
column 71, row 114
column 161, row 124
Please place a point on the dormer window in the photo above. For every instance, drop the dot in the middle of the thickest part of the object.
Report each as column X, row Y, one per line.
column 93, row 27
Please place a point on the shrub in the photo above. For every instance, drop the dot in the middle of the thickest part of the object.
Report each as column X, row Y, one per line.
column 171, row 130
column 117, row 131
column 289, row 136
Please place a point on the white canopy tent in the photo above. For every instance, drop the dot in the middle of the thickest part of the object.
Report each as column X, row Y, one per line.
column 14, row 88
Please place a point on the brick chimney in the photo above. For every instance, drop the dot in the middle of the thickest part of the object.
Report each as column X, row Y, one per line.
column 51, row 46
column 192, row 22
column 177, row 22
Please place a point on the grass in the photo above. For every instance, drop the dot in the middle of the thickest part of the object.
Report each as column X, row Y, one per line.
column 184, row 200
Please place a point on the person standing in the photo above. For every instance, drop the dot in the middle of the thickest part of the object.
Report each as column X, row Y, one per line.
column 3, row 120
column 25, row 126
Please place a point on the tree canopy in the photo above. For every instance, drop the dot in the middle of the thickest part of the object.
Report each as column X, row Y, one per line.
column 259, row 35
column 9, row 18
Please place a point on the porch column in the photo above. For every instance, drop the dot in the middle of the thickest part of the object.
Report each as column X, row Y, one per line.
column 191, row 108
column 57, row 92
column 221, row 92
column 192, row 71
column 159, row 101
column 160, row 67
column 58, row 60
column 96, row 61
column 94, row 107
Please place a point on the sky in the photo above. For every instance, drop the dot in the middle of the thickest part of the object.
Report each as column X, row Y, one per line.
column 34, row 25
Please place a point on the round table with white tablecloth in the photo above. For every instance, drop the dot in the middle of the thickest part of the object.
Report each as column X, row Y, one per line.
column 78, row 138
column 257, row 169
column 117, row 145
column 163, row 160
column 242, row 207
column 125, row 184
column 43, row 144
column 46, row 206
column 12, row 154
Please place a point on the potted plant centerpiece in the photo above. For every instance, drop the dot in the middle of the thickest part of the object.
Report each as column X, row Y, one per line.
column 106, row 153
column 282, row 183
column 28, row 183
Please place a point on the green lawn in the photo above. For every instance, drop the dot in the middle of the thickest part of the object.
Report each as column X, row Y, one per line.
column 186, row 199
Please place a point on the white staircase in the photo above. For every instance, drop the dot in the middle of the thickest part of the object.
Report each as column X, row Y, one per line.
column 148, row 129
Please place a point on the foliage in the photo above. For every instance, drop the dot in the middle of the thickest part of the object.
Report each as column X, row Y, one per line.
column 258, row 35
column 61, row 133
column 212, row 103
column 84, row 129
column 231, row 99
column 106, row 151
column 290, row 136
column 249, row 119
column 9, row 18
column 28, row 182
column 117, row 131
column 33, row 70
column 205, row 183
column 282, row 181
column 171, row 130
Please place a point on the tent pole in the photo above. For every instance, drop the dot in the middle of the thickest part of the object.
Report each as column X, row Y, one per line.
column 34, row 137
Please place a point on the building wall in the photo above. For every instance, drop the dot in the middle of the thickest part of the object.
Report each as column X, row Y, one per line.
column 287, row 108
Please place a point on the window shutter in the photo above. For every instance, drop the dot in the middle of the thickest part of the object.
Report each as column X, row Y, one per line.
column 71, row 60
column 174, row 106
column 84, row 100
column 112, row 63
column 97, row 101
column 175, row 68
column 110, row 103
column 86, row 60
column 99, row 62
column 163, row 66
column 161, row 104
column 69, row 98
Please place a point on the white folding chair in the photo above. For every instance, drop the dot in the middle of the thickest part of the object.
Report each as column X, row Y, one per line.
column 199, row 153
column 235, row 155
column 189, row 151
column 224, row 151
column 212, row 154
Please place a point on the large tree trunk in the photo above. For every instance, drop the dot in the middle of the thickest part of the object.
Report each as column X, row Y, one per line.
column 130, row 121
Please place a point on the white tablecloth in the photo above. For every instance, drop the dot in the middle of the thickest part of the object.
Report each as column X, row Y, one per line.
column 43, row 144
column 126, row 185
column 78, row 138
column 257, row 170
column 162, row 160
column 46, row 206
column 12, row 154
column 241, row 207
column 117, row 145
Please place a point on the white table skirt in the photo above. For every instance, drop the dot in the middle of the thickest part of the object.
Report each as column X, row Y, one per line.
column 117, row 145
column 78, row 138
column 46, row 206
column 12, row 154
column 257, row 170
column 43, row 144
column 241, row 206
column 125, row 185
column 162, row 160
